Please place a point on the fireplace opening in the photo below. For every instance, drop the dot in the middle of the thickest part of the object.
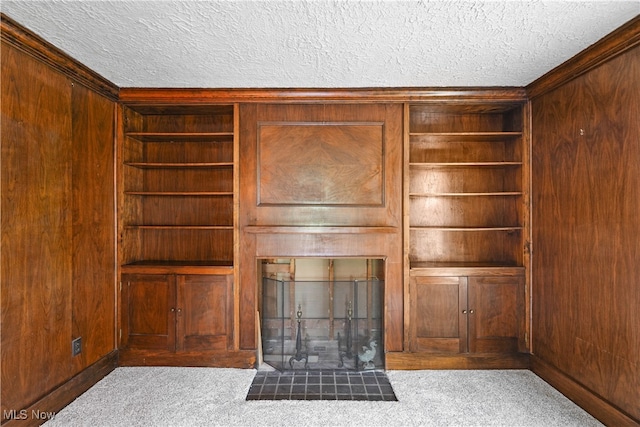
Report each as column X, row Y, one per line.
column 320, row 313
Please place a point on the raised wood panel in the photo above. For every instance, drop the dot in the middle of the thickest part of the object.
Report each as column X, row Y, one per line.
column 586, row 193
column 149, row 311
column 438, row 323
column 373, row 212
column 205, row 319
column 496, row 314
column 36, row 246
column 321, row 164
column 93, row 212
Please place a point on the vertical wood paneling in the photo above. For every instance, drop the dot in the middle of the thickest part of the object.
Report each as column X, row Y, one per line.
column 93, row 209
column 36, row 229
column 586, row 233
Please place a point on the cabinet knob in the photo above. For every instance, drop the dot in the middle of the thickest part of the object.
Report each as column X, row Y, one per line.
column 464, row 311
column 470, row 311
column 173, row 309
column 179, row 310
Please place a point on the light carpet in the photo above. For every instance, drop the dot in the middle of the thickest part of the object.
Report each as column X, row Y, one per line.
column 162, row 396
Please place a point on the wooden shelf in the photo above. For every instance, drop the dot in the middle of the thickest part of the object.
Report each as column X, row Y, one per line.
column 178, row 267
column 318, row 230
column 180, row 136
column 464, row 269
column 425, row 165
column 181, row 193
column 192, row 165
column 178, row 180
column 465, row 187
column 489, row 194
column 463, row 136
column 464, row 229
column 180, row 227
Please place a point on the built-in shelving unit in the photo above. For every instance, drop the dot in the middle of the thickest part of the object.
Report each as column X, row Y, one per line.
column 465, row 219
column 178, row 185
column 465, row 186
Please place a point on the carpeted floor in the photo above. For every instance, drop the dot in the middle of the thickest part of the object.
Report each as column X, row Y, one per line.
column 158, row 396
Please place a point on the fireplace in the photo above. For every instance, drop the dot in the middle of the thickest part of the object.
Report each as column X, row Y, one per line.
column 320, row 313
column 320, row 192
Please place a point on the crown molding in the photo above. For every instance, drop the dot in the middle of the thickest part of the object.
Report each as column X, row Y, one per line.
column 35, row 46
column 442, row 95
column 619, row 41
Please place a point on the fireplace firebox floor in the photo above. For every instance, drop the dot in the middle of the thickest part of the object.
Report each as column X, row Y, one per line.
column 321, row 385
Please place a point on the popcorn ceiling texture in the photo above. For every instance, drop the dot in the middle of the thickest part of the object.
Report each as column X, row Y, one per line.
column 323, row 44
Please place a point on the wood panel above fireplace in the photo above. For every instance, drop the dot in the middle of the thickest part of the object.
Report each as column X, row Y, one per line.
column 321, row 180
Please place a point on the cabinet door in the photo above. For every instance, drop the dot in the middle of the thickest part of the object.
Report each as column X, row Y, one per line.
column 204, row 312
column 496, row 314
column 438, row 314
column 148, row 312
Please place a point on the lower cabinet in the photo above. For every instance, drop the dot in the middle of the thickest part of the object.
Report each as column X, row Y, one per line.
column 466, row 314
column 177, row 313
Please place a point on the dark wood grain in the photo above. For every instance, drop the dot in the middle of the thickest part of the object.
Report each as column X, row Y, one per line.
column 496, row 314
column 205, row 319
column 149, row 312
column 422, row 360
column 41, row 410
column 36, row 229
column 321, row 164
column 93, row 209
column 438, row 324
column 586, row 194
column 177, row 182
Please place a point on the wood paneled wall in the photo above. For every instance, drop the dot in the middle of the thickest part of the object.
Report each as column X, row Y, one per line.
column 586, row 235
column 58, row 227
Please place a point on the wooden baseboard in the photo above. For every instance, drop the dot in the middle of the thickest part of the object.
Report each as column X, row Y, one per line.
column 412, row 361
column 583, row 397
column 231, row 359
column 46, row 408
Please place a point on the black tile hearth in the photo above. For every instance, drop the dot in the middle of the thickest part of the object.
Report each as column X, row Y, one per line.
column 321, row 385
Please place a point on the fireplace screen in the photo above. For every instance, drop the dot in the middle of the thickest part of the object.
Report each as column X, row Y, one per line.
column 322, row 324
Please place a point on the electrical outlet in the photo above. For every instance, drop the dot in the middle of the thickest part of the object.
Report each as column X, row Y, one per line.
column 76, row 346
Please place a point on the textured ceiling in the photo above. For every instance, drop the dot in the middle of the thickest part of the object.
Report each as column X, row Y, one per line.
column 321, row 44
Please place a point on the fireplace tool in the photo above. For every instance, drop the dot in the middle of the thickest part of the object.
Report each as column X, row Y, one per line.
column 348, row 353
column 299, row 353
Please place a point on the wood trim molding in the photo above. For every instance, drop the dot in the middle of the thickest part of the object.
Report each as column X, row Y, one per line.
column 617, row 42
column 418, row 361
column 45, row 408
column 242, row 359
column 132, row 96
column 583, row 397
column 28, row 42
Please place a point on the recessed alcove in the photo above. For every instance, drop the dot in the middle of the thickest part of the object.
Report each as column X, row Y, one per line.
column 322, row 313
